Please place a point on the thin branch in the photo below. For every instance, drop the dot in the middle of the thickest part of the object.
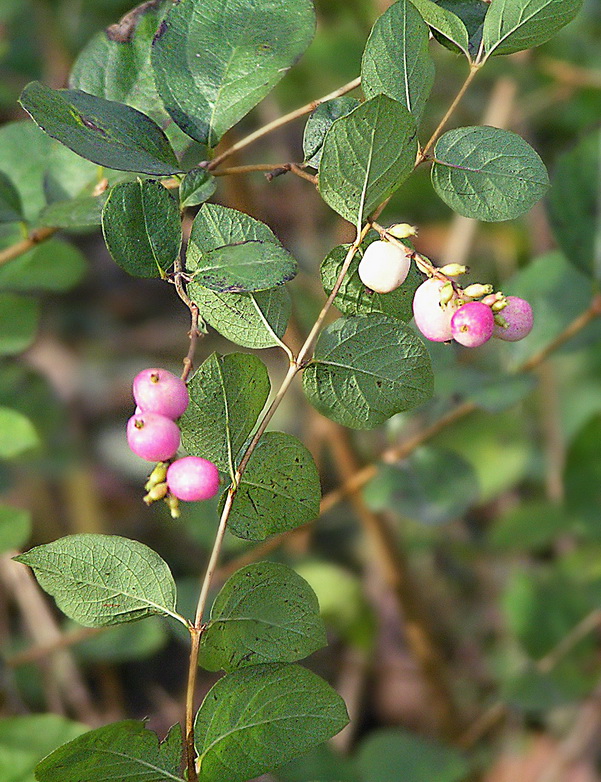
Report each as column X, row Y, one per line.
column 19, row 248
column 278, row 123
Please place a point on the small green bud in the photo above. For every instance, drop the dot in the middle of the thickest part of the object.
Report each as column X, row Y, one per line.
column 402, row 230
column 157, row 476
column 156, row 493
column 499, row 305
column 476, row 291
column 454, row 270
column 446, row 293
column 500, row 321
column 173, row 505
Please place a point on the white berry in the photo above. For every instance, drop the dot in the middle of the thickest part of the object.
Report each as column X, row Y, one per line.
column 384, row 266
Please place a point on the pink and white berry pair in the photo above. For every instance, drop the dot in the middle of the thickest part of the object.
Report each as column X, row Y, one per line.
column 161, row 397
column 471, row 324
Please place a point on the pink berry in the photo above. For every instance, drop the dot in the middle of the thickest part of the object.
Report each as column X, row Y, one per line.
column 153, row 437
column 160, row 391
column 193, row 478
column 431, row 318
column 519, row 318
column 473, row 324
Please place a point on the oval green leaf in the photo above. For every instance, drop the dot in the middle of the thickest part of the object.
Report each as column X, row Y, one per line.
column 353, row 298
column 197, row 187
column 15, row 528
column 11, row 209
column 214, row 61
column 25, row 740
column 366, row 156
column 19, row 317
column 142, row 228
column 229, row 251
column 227, row 394
column 487, row 173
column 258, row 718
column 396, row 60
column 398, row 754
column 122, row 752
column 445, row 23
column 278, row 491
column 367, row 368
column 513, row 25
column 574, row 205
column 252, row 320
column 265, row 613
column 51, row 266
column 100, row 580
column 320, row 122
column 106, row 132
column 17, row 434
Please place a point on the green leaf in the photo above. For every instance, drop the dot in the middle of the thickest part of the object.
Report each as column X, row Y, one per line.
column 115, row 64
column 396, row 60
column 470, row 12
column 367, row 368
column 544, row 283
column 487, row 173
column 323, row 763
column 197, row 187
column 279, row 490
column 122, row 752
column 142, row 228
column 397, row 754
column 354, row 298
column 124, row 643
column 227, row 393
column 103, row 579
column 264, row 613
column 17, row 434
column 529, row 526
column 75, row 213
column 25, row 740
column 246, row 267
column 513, row 25
column 574, row 205
column 318, row 124
column 536, row 693
column 248, row 319
column 15, row 528
column 366, row 156
column 108, row 133
column 229, row 251
column 433, row 486
column 258, row 718
column 19, row 317
column 11, row 209
column 247, row 47
column 449, row 26
column 52, row 266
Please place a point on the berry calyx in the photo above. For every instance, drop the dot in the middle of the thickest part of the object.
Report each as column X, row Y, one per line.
column 153, row 437
column 519, row 318
column 384, row 266
column 472, row 324
column 192, row 478
column 432, row 318
column 162, row 392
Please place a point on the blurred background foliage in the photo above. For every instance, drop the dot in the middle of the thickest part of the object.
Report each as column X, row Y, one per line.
column 495, row 521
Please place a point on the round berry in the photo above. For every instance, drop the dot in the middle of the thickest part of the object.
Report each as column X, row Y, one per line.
column 432, row 318
column 472, row 324
column 160, row 391
column 192, row 478
column 519, row 318
column 153, row 437
column 384, row 266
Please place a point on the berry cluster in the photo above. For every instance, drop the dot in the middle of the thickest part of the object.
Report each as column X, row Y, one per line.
column 442, row 310
column 152, row 434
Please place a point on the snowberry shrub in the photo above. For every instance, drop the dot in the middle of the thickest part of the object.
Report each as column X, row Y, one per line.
column 359, row 370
